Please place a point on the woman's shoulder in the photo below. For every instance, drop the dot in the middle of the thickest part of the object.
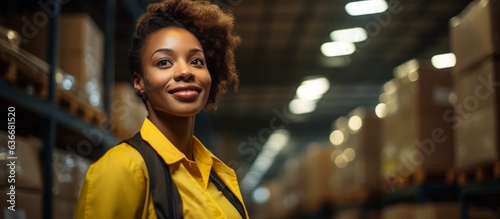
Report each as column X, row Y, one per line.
column 120, row 157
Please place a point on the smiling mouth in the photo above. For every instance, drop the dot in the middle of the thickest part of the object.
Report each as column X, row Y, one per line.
column 186, row 93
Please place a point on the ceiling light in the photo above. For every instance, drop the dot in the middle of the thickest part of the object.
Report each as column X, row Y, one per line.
column 336, row 137
column 381, row 110
column 406, row 68
column 340, row 161
column 332, row 49
column 391, row 86
column 356, row 34
column 300, row 106
column 11, row 35
column 355, row 123
column 278, row 139
column 366, row 7
column 447, row 60
column 265, row 159
column 413, row 76
column 349, row 154
column 313, row 89
column 261, row 195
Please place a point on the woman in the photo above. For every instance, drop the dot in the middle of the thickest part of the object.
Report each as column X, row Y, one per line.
column 180, row 61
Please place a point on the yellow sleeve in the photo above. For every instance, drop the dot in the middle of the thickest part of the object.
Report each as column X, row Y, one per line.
column 116, row 186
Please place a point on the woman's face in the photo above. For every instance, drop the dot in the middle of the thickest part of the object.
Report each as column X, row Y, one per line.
column 175, row 76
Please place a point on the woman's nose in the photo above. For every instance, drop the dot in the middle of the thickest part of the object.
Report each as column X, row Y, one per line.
column 183, row 73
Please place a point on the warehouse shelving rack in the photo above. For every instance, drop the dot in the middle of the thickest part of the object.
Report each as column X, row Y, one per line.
column 422, row 193
column 485, row 194
column 44, row 119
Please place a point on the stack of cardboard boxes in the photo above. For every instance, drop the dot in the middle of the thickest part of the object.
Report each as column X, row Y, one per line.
column 81, row 45
column 69, row 172
column 317, row 169
column 356, row 157
column 303, row 188
column 415, row 132
column 20, row 178
column 475, row 41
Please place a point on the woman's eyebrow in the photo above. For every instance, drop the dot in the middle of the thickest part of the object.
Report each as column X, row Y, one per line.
column 163, row 50
column 195, row 50
column 167, row 50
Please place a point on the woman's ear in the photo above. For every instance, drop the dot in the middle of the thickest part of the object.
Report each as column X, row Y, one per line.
column 138, row 83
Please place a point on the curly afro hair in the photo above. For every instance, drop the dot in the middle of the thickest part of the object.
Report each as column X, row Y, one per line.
column 212, row 26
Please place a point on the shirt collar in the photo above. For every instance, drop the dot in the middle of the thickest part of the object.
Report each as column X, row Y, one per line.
column 170, row 154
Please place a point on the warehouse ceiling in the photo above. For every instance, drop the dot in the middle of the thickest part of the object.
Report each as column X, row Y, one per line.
column 281, row 46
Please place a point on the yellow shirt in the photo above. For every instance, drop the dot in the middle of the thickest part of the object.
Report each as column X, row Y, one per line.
column 117, row 185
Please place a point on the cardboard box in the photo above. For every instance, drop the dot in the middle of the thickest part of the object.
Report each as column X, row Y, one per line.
column 28, row 174
column 87, row 74
column 422, row 86
column 78, row 34
column 477, row 87
column 477, row 138
column 417, row 131
column 317, row 166
column 430, row 146
column 433, row 142
column 358, row 157
column 28, row 204
column 81, row 49
column 476, row 114
column 128, row 111
column 474, row 34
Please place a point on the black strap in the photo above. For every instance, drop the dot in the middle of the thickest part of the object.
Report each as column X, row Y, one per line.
column 170, row 206
column 227, row 192
column 166, row 197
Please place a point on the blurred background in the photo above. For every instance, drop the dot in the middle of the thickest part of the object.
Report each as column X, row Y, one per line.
column 345, row 109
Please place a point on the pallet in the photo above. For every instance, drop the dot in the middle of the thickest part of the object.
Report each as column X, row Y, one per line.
column 419, row 176
column 26, row 77
column 30, row 74
column 78, row 107
column 423, row 175
column 356, row 197
column 478, row 173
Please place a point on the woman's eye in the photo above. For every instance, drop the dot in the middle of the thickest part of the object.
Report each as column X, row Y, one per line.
column 163, row 63
column 197, row 62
